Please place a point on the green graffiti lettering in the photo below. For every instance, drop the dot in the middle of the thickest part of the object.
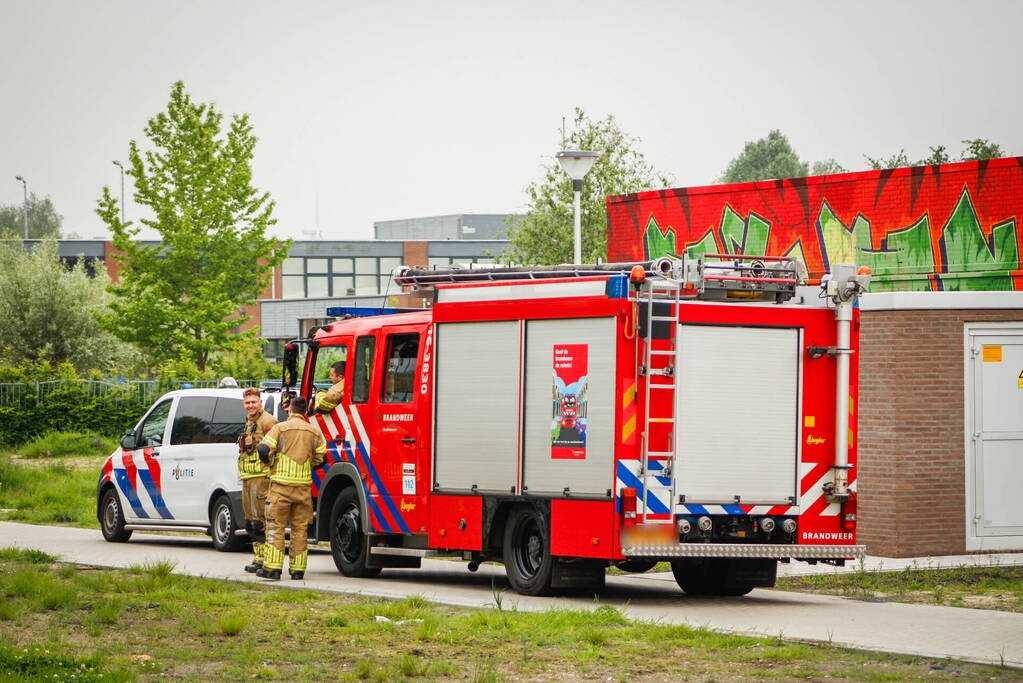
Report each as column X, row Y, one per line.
column 965, row 251
column 659, row 243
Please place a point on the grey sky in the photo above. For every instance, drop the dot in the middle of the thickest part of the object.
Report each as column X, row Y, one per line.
column 401, row 109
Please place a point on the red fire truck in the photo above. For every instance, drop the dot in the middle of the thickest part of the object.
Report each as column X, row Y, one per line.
column 719, row 397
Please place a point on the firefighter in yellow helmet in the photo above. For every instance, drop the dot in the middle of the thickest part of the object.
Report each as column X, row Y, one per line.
column 253, row 473
column 327, row 399
column 292, row 449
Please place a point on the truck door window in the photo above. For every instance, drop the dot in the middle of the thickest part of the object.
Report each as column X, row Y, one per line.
column 400, row 377
column 364, row 348
column 152, row 431
column 325, row 357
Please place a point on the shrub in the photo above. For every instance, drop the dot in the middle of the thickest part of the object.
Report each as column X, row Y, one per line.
column 56, row 444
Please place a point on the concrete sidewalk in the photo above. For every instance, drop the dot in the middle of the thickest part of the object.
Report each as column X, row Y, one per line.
column 923, row 630
column 893, row 564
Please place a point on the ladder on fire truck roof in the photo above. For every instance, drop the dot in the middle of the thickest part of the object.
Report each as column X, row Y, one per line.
column 661, row 299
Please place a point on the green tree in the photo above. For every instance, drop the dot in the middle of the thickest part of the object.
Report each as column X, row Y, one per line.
column 43, row 220
column 975, row 149
column 827, row 167
column 184, row 297
column 545, row 234
column 48, row 312
column 765, row 159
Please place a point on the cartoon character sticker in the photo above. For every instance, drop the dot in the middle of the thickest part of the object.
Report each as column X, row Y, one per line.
column 568, row 424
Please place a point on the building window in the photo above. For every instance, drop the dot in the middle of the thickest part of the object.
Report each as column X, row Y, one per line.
column 319, row 277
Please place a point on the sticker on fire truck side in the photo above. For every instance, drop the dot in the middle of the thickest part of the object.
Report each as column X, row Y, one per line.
column 408, row 479
column 568, row 427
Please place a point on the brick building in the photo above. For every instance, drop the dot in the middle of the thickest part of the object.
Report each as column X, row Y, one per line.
column 941, row 364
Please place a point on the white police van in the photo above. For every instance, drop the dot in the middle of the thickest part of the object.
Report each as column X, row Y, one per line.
column 177, row 470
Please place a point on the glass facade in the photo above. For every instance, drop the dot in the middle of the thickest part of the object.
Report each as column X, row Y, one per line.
column 308, row 277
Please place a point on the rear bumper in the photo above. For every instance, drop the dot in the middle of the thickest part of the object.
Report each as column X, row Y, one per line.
column 773, row 551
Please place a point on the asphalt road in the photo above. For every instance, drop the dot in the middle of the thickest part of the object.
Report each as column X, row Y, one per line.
column 930, row 631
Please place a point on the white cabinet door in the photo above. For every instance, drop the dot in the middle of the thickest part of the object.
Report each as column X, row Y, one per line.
column 997, row 434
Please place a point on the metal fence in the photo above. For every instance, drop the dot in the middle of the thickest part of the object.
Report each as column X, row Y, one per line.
column 145, row 390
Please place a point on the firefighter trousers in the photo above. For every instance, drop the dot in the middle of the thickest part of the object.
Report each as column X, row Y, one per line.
column 287, row 506
column 254, row 492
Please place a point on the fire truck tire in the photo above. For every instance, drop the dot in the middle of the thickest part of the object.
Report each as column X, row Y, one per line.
column 111, row 518
column 347, row 540
column 527, row 552
column 223, row 527
column 707, row 576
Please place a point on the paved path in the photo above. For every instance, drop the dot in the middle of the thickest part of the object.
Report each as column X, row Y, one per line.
column 930, row 631
column 873, row 563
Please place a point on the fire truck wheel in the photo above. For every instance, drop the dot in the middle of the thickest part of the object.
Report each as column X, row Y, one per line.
column 707, row 576
column 112, row 519
column 224, row 527
column 347, row 541
column 527, row 552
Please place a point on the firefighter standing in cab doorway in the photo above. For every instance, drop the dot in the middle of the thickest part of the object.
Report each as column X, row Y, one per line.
column 253, row 473
column 327, row 399
column 292, row 449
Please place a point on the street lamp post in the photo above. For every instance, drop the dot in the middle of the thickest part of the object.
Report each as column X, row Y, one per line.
column 577, row 163
column 24, row 186
column 118, row 165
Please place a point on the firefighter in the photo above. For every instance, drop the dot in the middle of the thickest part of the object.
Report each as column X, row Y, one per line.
column 327, row 399
column 253, row 473
column 291, row 449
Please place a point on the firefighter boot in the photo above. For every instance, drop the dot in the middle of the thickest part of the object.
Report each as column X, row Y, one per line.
column 298, row 576
column 270, row 574
column 254, row 567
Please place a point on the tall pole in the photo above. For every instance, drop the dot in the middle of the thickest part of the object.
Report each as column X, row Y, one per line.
column 577, row 252
column 24, row 186
column 118, row 165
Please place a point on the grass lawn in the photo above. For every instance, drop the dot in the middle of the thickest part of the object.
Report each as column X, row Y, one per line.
column 67, row 622
column 49, row 491
column 998, row 588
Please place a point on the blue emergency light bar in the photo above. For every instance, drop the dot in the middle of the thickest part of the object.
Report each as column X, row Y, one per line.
column 366, row 311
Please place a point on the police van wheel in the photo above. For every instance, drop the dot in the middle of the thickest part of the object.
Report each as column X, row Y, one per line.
column 347, row 540
column 111, row 518
column 223, row 527
column 527, row 552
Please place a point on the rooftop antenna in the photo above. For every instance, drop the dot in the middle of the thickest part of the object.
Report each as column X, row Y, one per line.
column 562, row 132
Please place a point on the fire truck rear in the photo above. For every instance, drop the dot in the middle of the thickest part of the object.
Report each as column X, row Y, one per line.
column 710, row 423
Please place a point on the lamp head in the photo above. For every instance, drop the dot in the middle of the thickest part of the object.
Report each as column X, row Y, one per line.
column 576, row 162
column 18, row 177
column 117, row 163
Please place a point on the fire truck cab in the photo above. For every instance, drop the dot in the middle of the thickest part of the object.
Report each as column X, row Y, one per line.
column 714, row 394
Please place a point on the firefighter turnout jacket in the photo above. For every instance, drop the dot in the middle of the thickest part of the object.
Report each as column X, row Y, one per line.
column 327, row 400
column 296, row 447
column 256, row 427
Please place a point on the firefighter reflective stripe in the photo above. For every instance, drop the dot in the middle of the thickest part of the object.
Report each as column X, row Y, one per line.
column 287, row 471
column 298, row 563
column 249, row 466
column 323, row 404
column 273, row 558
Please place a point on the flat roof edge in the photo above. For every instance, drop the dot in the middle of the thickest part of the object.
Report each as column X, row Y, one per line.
column 910, row 301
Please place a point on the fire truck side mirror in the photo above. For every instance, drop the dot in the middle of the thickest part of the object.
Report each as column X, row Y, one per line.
column 290, row 365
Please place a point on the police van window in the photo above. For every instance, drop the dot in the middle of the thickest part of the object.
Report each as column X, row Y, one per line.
column 154, row 427
column 228, row 420
column 325, row 357
column 400, row 377
column 205, row 419
column 363, row 368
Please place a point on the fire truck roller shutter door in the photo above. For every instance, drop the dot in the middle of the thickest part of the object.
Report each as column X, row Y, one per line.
column 569, row 406
column 477, row 405
column 738, row 407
